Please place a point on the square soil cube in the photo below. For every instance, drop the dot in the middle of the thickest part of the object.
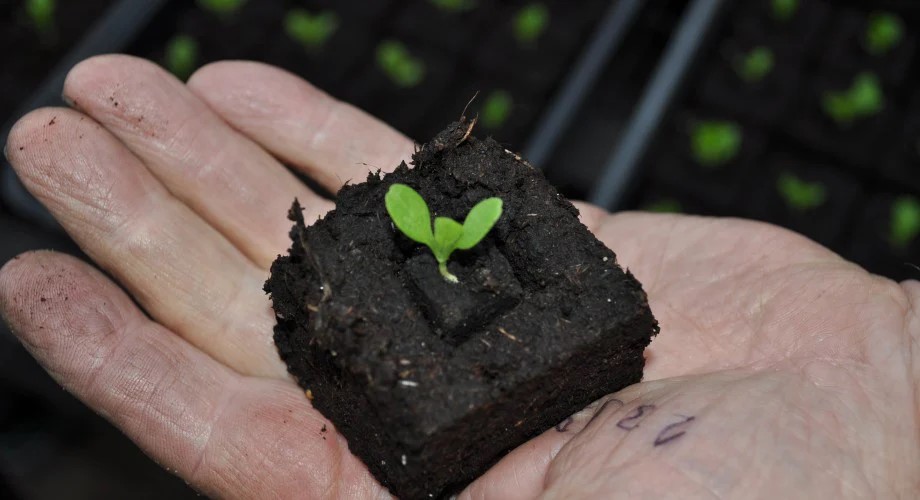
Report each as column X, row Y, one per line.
column 827, row 220
column 720, row 186
column 487, row 288
column 545, row 322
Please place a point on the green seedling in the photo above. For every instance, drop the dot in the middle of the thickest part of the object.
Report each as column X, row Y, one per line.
column 41, row 15
column 800, row 195
column 905, row 222
column 496, row 109
column 783, row 10
column 399, row 65
column 454, row 6
column 755, row 65
column 715, row 143
column 182, row 56
column 411, row 215
column 311, row 30
column 664, row 206
column 884, row 32
column 863, row 99
column 223, row 8
column 530, row 23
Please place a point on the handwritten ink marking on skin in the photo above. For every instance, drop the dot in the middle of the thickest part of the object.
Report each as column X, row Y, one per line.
column 562, row 426
column 673, row 431
column 631, row 421
column 619, row 404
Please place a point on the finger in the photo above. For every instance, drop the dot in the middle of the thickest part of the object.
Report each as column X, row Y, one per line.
column 184, row 273
column 229, row 181
column 331, row 141
column 229, row 435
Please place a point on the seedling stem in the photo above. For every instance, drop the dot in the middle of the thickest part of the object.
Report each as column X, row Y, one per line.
column 411, row 215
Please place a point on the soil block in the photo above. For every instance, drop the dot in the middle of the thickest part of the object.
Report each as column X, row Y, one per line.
column 721, row 186
column 755, row 19
column 847, row 49
column 826, row 218
column 432, row 383
column 853, row 144
column 764, row 101
column 872, row 247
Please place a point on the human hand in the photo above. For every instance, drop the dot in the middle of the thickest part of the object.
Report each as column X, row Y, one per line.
column 780, row 370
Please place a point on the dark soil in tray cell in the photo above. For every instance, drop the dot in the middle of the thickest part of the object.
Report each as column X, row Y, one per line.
column 323, row 62
column 848, row 48
column 808, row 198
column 886, row 238
column 856, row 143
column 32, row 53
column 366, row 11
column 903, row 162
column 453, row 31
column 431, row 383
column 732, row 83
column 535, row 57
column 673, row 162
column 658, row 199
column 756, row 19
column 400, row 88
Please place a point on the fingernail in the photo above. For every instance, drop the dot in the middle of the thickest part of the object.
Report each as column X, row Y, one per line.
column 68, row 101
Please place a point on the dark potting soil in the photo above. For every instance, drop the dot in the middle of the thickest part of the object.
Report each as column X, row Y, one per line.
column 31, row 55
column 432, row 383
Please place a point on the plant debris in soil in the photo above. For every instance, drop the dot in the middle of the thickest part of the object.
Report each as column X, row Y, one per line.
column 431, row 382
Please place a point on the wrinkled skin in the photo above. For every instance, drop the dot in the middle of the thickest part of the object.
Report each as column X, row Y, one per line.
column 796, row 367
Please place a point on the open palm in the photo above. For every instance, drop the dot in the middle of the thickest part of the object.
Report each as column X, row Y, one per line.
column 781, row 370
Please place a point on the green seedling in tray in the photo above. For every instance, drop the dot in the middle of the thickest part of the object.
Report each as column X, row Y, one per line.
column 783, row 10
column 311, row 30
column 496, row 109
column 410, row 214
column 664, row 206
column 530, row 23
column 454, row 6
column 223, row 8
column 864, row 98
column 754, row 66
column 399, row 65
column 800, row 195
column 715, row 143
column 883, row 33
column 41, row 15
column 905, row 222
column 181, row 57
